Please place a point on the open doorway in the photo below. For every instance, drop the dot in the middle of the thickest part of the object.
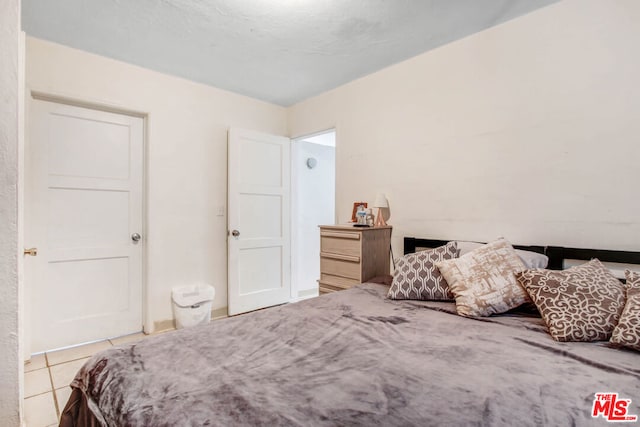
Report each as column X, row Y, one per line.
column 313, row 190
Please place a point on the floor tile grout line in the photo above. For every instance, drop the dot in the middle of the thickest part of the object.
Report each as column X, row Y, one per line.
column 71, row 360
column 53, row 392
column 38, row 411
column 108, row 341
column 38, row 394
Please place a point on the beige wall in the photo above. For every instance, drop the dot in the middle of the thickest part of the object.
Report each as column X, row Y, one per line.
column 10, row 327
column 529, row 130
column 186, row 158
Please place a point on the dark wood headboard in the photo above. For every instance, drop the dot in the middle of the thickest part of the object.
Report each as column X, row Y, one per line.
column 411, row 243
column 557, row 254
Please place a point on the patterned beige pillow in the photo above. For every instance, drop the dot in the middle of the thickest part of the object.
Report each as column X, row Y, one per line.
column 582, row 303
column 416, row 276
column 627, row 332
column 483, row 280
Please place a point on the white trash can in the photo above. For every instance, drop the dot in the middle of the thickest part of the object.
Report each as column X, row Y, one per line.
column 192, row 304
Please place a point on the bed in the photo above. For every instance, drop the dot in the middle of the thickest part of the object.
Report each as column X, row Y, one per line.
column 358, row 358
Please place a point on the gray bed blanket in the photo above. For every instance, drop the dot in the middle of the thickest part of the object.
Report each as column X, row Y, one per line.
column 355, row 358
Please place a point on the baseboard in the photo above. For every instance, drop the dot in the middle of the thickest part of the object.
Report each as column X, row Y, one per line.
column 164, row 325
column 220, row 313
column 169, row 324
column 307, row 293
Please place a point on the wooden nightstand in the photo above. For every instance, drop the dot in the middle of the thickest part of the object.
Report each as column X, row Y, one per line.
column 351, row 255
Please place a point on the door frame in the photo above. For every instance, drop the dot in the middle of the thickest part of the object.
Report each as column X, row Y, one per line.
column 38, row 95
column 294, row 203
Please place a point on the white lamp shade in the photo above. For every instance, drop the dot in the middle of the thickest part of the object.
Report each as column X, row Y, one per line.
column 381, row 201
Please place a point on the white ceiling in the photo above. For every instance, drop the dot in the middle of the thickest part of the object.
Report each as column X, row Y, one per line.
column 280, row 51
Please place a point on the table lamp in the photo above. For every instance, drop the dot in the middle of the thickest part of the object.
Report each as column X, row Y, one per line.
column 380, row 203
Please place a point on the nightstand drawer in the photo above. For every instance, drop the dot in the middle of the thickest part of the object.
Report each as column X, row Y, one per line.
column 340, row 243
column 336, row 282
column 340, row 267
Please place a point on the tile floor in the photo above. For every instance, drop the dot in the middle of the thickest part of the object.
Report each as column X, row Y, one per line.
column 47, row 377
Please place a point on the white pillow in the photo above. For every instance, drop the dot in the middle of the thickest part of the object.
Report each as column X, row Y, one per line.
column 530, row 259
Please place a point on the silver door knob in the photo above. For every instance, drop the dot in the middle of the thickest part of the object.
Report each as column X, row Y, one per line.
column 136, row 237
column 235, row 233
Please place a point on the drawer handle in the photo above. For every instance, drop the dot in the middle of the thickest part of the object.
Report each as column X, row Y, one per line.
column 340, row 257
column 351, row 236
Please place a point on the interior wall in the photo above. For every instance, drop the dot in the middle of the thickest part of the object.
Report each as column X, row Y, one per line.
column 11, row 369
column 527, row 130
column 186, row 158
column 314, row 204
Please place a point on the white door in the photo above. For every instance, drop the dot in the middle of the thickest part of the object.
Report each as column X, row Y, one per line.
column 83, row 212
column 259, row 220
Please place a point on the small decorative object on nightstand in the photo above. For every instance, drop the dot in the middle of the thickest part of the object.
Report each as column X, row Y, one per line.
column 349, row 255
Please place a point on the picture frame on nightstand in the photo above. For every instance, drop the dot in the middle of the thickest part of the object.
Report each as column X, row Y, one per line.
column 354, row 218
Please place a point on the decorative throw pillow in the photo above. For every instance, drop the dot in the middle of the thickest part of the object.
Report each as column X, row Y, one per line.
column 483, row 280
column 416, row 276
column 581, row 303
column 627, row 332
